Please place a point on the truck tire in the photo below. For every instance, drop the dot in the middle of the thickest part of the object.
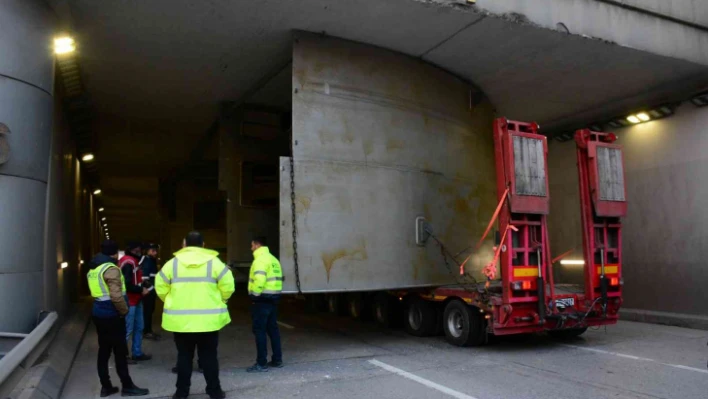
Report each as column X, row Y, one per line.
column 385, row 310
column 335, row 304
column 421, row 317
column 356, row 306
column 463, row 324
column 567, row 334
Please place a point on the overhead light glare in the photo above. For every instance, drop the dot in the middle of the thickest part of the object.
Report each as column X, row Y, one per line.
column 64, row 45
column 643, row 116
column 87, row 157
column 572, row 262
column 633, row 119
column 97, row 191
column 103, row 219
column 101, row 209
column 64, row 265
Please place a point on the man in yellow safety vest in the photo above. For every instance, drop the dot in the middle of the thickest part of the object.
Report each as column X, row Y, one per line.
column 195, row 286
column 110, row 307
column 264, row 287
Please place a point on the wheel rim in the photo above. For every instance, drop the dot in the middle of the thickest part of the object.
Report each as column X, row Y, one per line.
column 379, row 314
column 455, row 323
column 415, row 317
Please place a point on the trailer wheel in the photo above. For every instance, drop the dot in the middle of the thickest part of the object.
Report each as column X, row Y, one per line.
column 356, row 306
column 463, row 325
column 421, row 317
column 385, row 310
column 335, row 304
column 567, row 334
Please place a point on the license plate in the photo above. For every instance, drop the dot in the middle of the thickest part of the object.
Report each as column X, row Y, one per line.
column 565, row 302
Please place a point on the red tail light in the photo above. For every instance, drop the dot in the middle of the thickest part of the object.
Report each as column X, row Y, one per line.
column 614, row 281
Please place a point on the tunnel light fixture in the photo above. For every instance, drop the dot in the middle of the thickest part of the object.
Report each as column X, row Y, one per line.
column 97, row 191
column 633, row 119
column 700, row 100
column 64, row 45
column 573, row 262
column 81, row 261
column 87, row 158
column 64, row 265
column 101, row 209
column 643, row 116
column 103, row 218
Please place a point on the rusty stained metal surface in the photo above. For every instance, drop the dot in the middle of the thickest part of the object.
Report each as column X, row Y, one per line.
column 379, row 139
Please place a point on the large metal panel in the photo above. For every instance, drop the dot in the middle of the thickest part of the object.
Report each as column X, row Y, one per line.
column 27, row 111
column 529, row 166
column 22, row 296
column 378, row 140
column 611, row 174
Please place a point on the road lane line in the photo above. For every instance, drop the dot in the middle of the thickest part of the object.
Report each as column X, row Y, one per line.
column 286, row 325
column 420, row 380
column 643, row 359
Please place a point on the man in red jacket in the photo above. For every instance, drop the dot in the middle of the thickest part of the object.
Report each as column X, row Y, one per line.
column 134, row 323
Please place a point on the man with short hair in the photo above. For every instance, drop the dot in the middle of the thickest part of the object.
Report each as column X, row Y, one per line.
column 264, row 288
column 148, row 265
column 110, row 306
column 130, row 266
column 195, row 286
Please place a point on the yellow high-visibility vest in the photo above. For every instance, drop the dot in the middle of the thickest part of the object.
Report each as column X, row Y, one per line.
column 266, row 276
column 195, row 286
column 98, row 286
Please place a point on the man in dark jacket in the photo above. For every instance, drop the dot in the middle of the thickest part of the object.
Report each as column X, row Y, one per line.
column 148, row 264
column 130, row 266
column 109, row 309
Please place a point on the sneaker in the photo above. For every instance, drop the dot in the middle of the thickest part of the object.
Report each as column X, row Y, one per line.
column 277, row 365
column 134, row 391
column 142, row 358
column 109, row 391
column 217, row 395
column 257, row 368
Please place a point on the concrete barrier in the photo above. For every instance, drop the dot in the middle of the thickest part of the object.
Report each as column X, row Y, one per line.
column 666, row 318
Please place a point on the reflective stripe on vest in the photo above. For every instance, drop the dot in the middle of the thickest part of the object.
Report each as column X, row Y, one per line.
column 102, row 284
column 195, row 311
column 207, row 279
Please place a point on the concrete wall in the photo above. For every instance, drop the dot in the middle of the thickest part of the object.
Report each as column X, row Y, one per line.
column 665, row 230
column 26, row 89
column 378, row 139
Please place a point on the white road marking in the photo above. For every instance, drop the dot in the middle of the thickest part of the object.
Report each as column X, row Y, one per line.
column 286, row 325
column 642, row 359
column 420, row 380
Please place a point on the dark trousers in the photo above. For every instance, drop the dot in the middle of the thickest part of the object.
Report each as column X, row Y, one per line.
column 265, row 321
column 206, row 345
column 148, row 309
column 111, row 338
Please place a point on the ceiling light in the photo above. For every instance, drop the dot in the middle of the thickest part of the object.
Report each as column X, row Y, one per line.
column 633, row 119
column 87, row 157
column 103, row 219
column 101, row 209
column 97, row 191
column 81, row 262
column 643, row 116
column 64, row 265
column 700, row 100
column 64, row 45
column 572, row 262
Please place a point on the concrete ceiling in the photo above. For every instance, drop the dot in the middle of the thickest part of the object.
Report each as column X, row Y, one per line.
column 157, row 70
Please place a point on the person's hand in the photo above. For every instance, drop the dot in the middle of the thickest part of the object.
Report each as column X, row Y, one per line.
column 145, row 291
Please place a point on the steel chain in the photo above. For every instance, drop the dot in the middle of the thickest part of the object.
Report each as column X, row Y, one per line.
column 294, row 221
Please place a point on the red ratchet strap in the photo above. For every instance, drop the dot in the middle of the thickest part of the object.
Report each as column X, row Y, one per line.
column 561, row 256
column 491, row 269
column 489, row 228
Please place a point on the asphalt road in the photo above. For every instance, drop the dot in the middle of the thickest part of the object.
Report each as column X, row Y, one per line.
column 336, row 357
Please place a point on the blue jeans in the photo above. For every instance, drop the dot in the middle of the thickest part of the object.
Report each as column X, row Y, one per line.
column 134, row 324
column 265, row 321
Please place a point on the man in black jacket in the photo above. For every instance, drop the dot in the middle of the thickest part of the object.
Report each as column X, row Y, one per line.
column 149, row 266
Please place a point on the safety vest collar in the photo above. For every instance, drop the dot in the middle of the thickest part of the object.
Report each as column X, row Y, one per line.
column 260, row 252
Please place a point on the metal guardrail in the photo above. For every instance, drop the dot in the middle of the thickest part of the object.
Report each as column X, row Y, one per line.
column 17, row 355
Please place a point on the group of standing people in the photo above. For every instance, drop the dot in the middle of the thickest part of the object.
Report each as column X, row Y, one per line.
column 195, row 287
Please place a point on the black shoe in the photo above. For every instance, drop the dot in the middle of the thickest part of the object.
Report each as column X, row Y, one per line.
column 109, row 391
column 217, row 395
column 152, row 336
column 142, row 358
column 276, row 365
column 134, row 391
column 257, row 368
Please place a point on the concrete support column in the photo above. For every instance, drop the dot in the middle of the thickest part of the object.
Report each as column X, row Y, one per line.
column 26, row 89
